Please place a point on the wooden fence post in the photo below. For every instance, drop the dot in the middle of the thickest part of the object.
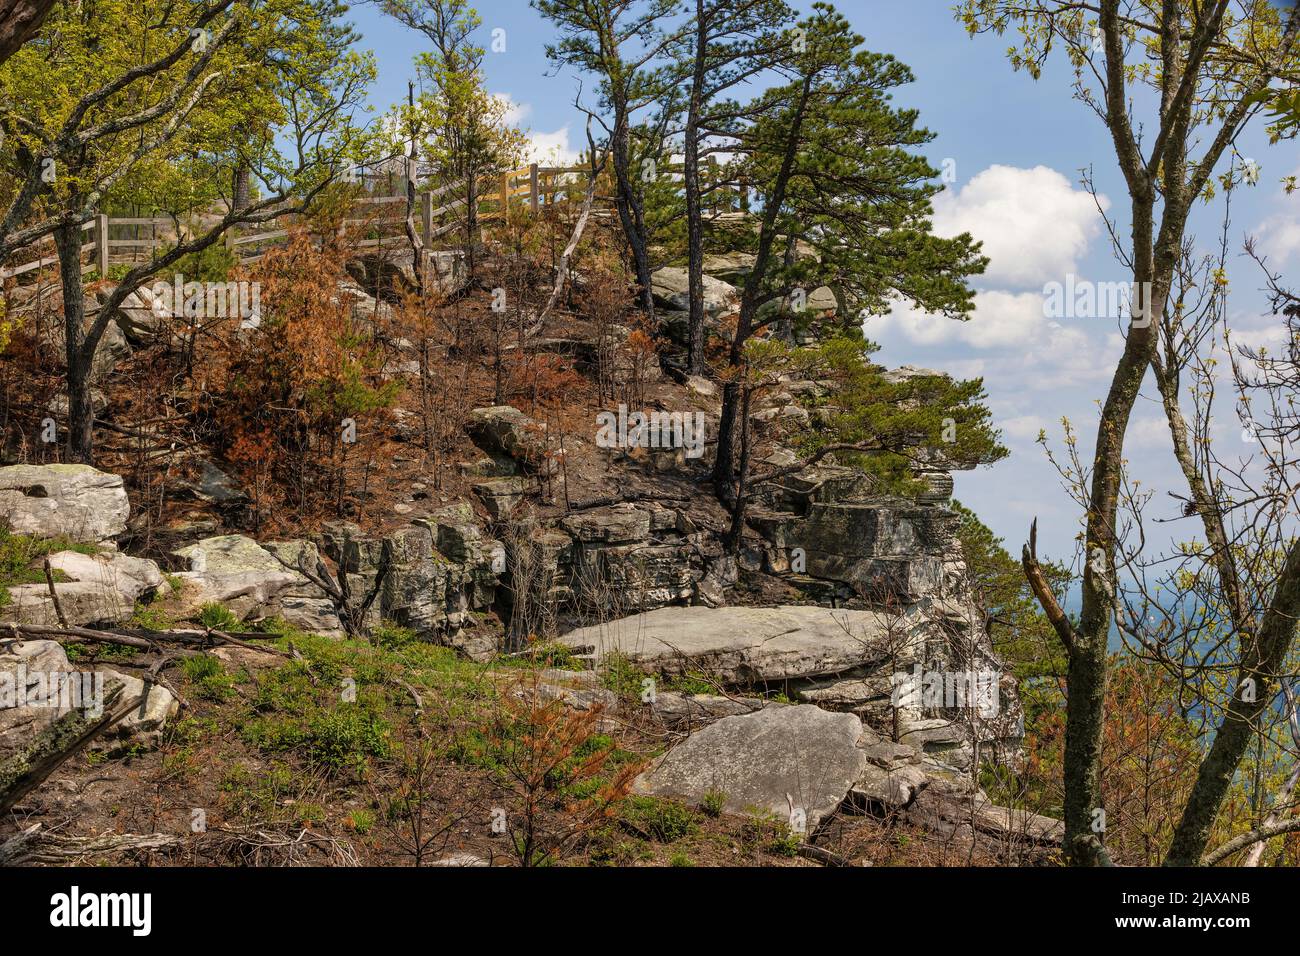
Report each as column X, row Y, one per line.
column 426, row 218
column 533, row 198
column 505, row 196
column 101, row 245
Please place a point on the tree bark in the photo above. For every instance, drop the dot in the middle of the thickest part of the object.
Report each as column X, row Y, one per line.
column 631, row 215
column 19, row 21
column 691, row 185
column 724, row 468
column 79, row 347
column 242, row 190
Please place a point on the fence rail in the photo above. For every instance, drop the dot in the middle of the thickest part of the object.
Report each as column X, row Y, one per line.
column 537, row 186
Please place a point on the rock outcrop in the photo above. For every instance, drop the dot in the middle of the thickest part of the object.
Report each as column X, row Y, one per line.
column 801, row 764
column 442, row 570
column 749, row 646
column 38, row 685
column 508, row 432
column 794, row 763
column 74, row 501
column 91, row 589
column 671, row 289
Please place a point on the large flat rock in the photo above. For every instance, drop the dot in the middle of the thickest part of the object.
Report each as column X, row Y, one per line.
column 749, row 645
column 237, row 572
column 46, row 501
column 779, row 760
column 130, row 577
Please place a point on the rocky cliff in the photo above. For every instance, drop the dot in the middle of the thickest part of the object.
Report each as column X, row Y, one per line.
column 844, row 639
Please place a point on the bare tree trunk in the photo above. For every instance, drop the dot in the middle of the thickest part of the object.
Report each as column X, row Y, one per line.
column 724, row 468
column 694, row 214
column 631, row 216
column 79, row 348
column 1261, row 666
column 1283, row 796
column 242, row 191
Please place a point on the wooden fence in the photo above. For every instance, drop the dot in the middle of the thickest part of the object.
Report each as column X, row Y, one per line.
column 440, row 213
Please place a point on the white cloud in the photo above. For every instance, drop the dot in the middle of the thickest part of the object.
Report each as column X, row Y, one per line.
column 515, row 113
column 1001, row 319
column 1279, row 238
column 1035, row 225
column 1148, row 433
column 1279, row 234
column 551, row 148
column 1023, row 427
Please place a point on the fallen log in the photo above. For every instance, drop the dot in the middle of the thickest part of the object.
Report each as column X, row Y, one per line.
column 35, row 845
column 139, row 639
column 23, row 771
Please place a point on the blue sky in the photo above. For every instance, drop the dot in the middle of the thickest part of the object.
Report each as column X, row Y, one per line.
column 1017, row 148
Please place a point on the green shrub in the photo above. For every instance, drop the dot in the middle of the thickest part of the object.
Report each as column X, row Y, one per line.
column 200, row 666
column 393, row 636
column 765, row 831
column 212, row 264
column 622, row 677
column 346, row 736
column 218, row 617
column 666, row 821
column 343, row 738
column 151, row 617
column 713, row 803
column 208, row 675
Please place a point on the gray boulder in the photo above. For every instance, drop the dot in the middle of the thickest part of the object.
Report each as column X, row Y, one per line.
column 500, row 496
column 143, row 726
column 234, row 571
column 678, row 710
column 78, row 501
column 216, row 486
column 671, row 289
column 83, row 604
column 100, row 589
column 38, row 685
column 790, row 762
column 142, row 315
column 730, row 266
column 133, row 578
column 389, row 275
column 507, row 431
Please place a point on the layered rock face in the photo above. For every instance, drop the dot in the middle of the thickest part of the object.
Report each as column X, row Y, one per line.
column 948, row 693
column 896, row 692
column 440, row 571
